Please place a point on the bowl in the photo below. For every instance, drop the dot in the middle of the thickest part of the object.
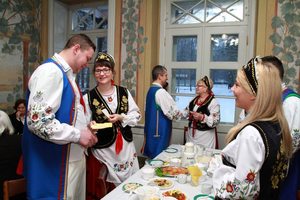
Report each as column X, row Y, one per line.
column 143, row 190
column 147, row 173
column 156, row 163
column 152, row 197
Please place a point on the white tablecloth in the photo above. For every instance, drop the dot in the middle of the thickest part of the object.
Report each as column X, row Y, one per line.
column 191, row 191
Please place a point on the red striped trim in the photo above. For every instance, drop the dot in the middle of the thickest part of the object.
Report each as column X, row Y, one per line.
column 61, row 180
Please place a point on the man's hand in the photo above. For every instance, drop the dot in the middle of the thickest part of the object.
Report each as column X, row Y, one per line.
column 87, row 139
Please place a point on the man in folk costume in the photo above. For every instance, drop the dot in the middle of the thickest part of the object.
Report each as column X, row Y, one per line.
column 161, row 110
column 55, row 132
column 291, row 108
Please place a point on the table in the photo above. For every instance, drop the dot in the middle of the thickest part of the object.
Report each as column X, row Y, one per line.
column 191, row 191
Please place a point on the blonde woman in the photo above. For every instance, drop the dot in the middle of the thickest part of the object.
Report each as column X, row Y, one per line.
column 254, row 162
column 203, row 113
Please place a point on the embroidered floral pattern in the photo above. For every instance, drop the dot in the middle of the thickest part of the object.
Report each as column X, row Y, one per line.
column 120, row 167
column 39, row 116
column 240, row 190
column 296, row 140
column 173, row 114
column 279, row 168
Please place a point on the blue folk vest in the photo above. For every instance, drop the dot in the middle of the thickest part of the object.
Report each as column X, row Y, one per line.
column 158, row 128
column 45, row 164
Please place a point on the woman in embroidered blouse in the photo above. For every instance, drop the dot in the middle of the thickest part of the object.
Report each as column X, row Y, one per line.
column 110, row 103
column 203, row 113
column 254, row 162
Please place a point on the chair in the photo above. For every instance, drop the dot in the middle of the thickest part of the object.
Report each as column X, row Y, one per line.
column 13, row 187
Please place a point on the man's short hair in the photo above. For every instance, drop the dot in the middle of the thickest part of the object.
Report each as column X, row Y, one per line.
column 158, row 69
column 276, row 62
column 83, row 40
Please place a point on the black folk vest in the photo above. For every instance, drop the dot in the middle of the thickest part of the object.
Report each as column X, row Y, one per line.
column 273, row 171
column 107, row 136
column 203, row 108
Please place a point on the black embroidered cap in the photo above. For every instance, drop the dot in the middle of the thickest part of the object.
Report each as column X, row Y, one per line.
column 206, row 81
column 106, row 57
column 250, row 72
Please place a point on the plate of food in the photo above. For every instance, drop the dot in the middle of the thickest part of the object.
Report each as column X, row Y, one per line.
column 131, row 186
column 174, row 157
column 162, row 183
column 176, row 194
column 171, row 150
column 203, row 197
column 170, row 171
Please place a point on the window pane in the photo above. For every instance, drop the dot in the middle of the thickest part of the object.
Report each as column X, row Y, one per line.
column 82, row 19
column 83, row 80
column 224, row 47
column 194, row 11
column 184, row 49
column 101, row 15
column 182, row 101
column 183, row 81
column 227, row 110
column 223, row 81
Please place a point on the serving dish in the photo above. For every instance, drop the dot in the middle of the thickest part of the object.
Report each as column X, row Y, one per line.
column 203, row 197
column 170, row 171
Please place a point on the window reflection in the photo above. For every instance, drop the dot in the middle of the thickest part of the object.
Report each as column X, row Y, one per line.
column 224, row 47
column 184, row 49
column 183, row 81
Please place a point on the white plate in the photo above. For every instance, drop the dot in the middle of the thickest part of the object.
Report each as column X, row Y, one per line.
column 187, row 196
column 155, row 180
column 171, row 150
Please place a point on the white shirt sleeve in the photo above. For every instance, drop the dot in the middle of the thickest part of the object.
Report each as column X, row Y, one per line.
column 46, row 87
column 133, row 115
column 291, row 108
column 247, row 153
column 167, row 105
column 214, row 117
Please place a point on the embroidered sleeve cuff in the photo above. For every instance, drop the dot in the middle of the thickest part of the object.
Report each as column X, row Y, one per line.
column 203, row 117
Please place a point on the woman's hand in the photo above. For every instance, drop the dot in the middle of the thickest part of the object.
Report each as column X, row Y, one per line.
column 198, row 116
column 115, row 117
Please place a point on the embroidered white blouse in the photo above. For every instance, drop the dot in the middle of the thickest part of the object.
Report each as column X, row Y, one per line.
column 247, row 153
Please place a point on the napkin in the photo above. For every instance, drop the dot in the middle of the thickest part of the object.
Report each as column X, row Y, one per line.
column 214, row 164
column 102, row 125
column 195, row 173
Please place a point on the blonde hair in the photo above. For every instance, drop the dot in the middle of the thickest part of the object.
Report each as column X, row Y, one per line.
column 267, row 105
column 5, row 124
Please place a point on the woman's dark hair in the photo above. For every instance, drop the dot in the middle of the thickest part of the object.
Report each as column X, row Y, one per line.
column 18, row 102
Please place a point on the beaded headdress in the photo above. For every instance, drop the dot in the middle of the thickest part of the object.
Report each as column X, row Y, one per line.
column 206, row 81
column 251, row 74
column 106, row 57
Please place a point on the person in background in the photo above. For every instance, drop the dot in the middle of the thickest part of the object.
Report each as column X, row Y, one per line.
column 18, row 117
column 55, row 134
column 291, row 108
column 160, row 107
column 115, row 149
column 204, row 115
column 10, row 153
column 254, row 162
